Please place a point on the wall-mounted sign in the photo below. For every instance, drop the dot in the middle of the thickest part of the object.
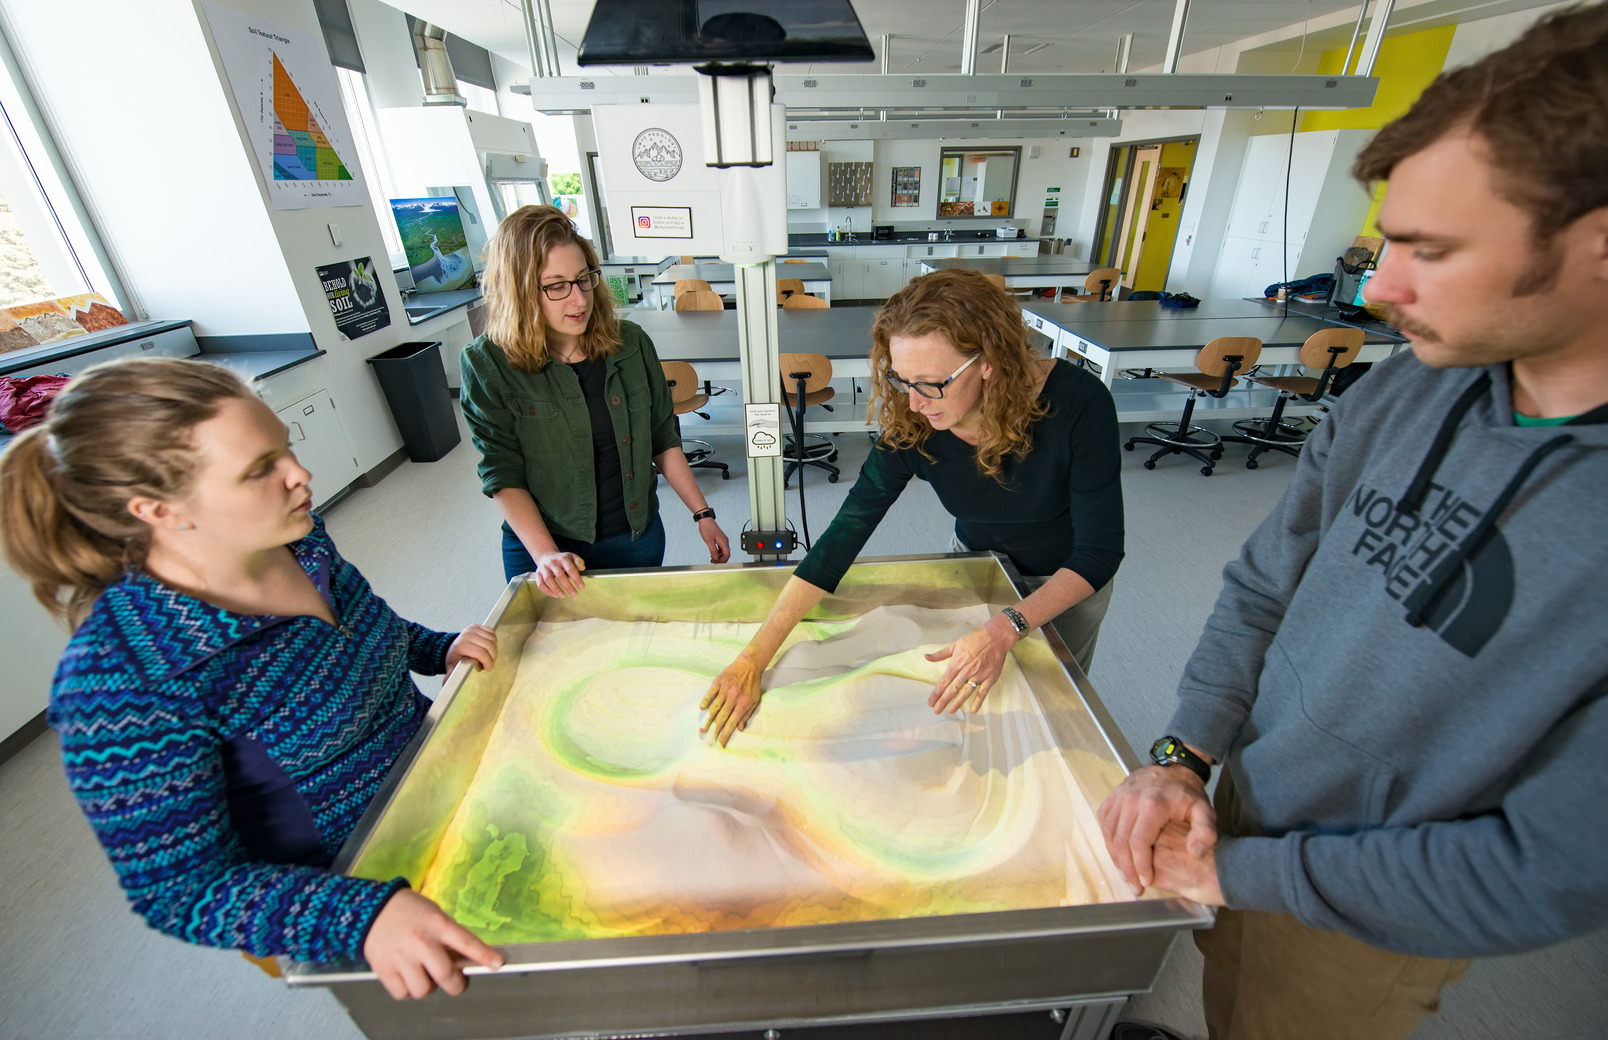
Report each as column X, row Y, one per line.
column 662, row 221
column 355, row 297
column 764, row 423
column 661, row 192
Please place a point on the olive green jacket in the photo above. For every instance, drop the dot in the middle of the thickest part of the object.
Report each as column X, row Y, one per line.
column 534, row 432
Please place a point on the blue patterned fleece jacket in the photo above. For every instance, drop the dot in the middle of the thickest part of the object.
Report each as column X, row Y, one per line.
column 222, row 759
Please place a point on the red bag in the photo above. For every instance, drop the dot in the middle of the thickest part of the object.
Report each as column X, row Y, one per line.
column 24, row 402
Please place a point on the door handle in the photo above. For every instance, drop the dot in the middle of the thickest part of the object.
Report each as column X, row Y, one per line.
column 300, row 435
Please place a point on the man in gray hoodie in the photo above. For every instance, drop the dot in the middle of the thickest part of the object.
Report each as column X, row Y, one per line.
column 1406, row 674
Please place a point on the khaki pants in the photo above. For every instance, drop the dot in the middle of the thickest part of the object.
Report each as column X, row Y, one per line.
column 1078, row 625
column 1268, row 976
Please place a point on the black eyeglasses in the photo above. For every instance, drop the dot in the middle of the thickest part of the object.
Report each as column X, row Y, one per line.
column 935, row 391
column 561, row 290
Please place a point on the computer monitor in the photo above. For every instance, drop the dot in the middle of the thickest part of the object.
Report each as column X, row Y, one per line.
column 1358, row 301
column 434, row 242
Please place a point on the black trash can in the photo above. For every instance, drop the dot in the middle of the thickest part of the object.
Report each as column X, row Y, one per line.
column 415, row 385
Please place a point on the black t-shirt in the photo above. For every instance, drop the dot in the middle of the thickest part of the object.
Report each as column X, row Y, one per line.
column 611, row 518
column 1061, row 506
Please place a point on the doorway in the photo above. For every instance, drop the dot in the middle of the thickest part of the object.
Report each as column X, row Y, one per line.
column 1144, row 194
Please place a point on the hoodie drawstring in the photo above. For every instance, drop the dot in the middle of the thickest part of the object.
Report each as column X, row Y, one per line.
column 1413, row 500
column 1423, row 599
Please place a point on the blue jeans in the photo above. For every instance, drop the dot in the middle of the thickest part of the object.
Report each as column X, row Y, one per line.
column 621, row 552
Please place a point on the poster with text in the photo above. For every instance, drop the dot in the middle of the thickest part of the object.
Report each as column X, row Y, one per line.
column 355, row 297
column 285, row 88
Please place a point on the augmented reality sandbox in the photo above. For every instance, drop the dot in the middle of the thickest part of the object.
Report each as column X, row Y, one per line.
column 848, row 856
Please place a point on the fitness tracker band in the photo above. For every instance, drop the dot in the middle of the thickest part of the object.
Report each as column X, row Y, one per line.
column 703, row 514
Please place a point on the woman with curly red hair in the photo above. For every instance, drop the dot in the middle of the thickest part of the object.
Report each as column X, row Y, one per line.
column 1021, row 450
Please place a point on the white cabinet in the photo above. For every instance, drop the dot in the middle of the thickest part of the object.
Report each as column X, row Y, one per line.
column 1326, row 208
column 883, row 278
column 320, row 444
column 848, row 278
column 806, row 174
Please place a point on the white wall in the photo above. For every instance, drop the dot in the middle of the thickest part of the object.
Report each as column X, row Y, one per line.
column 135, row 106
column 1052, row 168
column 1472, row 41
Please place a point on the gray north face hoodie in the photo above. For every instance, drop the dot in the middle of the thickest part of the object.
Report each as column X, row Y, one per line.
column 1407, row 668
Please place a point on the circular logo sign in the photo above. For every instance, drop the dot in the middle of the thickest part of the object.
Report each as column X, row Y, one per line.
column 657, row 154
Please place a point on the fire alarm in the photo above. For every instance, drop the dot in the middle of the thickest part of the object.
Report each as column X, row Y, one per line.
column 1074, row 154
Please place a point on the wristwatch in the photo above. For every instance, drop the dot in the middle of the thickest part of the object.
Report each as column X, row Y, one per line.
column 703, row 514
column 1016, row 619
column 1170, row 751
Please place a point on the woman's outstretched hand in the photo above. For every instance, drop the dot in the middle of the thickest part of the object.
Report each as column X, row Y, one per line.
column 732, row 698
column 414, row 947
column 975, row 661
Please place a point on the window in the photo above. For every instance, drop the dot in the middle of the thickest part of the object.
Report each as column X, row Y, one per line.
column 360, row 113
column 47, row 247
column 480, row 99
column 977, row 182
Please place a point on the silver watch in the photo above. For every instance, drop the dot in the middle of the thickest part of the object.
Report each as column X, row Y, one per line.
column 1016, row 619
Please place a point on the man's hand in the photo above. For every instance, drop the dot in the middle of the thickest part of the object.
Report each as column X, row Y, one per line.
column 975, row 661
column 558, row 574
column 1149, row 799
column 413, row 947
column 1191, row 876
column 731, row 699
column 477, row 643
column 713, row 537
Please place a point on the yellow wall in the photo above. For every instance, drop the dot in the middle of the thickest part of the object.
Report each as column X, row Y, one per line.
column 1407, row 64
column 1162, row 229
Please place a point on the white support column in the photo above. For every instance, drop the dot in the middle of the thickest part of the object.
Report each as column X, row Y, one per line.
column 758, row 347
column 1175, row 39
column 1376, row 37
column 968, row 38
column 1356, row 32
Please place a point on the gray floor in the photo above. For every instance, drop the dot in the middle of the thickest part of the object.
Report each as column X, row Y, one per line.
column 75, row 963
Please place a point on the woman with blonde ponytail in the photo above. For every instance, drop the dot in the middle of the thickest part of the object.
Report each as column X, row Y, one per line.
column 233, row 693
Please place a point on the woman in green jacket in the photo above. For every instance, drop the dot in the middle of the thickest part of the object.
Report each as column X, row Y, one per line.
column 567, row 450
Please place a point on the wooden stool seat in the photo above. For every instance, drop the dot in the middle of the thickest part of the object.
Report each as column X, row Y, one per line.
column 1216, row 364
column 1195, row 380
column 804, row 303
column 700, row 300
column 1327, row 349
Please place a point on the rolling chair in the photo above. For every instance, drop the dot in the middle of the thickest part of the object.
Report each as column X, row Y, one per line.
column 801, row 303
column 1099, row 287
column 1327, row 349
column 786, row 288
column 700, row 300
column 1217, row 362
column 805, row 382
column 686, row 397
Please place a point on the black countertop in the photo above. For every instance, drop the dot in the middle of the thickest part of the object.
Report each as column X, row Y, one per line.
column 899, row 238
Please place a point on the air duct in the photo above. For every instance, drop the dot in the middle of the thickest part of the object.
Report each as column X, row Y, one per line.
column 435, row 68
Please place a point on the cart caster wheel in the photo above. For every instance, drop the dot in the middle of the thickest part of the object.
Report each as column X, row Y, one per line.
column 1205, row 471
column 831, row 478
column 1251, row 464
column 1216, row 455
column 1150, row 464
column 1129, row 445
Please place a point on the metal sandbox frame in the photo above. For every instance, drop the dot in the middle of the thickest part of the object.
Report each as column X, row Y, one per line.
column 1085, row 959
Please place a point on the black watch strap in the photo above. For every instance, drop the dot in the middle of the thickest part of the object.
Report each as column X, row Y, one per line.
column 1170, row 751
column 705, row 513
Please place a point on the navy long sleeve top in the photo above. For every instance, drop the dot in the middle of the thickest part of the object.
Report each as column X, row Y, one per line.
column 1059, row 506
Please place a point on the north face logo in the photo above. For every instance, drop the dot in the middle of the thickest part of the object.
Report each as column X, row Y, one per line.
column 1406, row 550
